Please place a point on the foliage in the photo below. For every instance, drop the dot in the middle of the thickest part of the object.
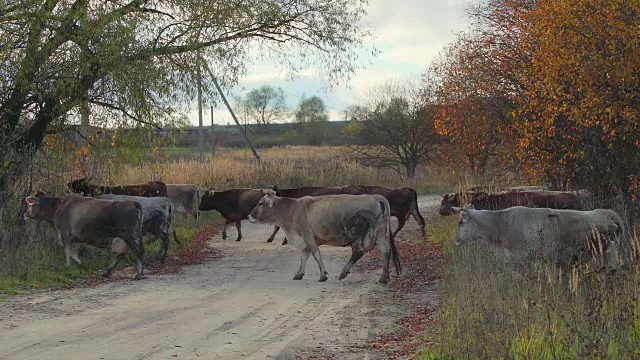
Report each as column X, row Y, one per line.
column 581, row 96
column 266, row 104
column 473, row 112
column 554, row 84
column 311, row 110
column 399, row 129
column 132, row 59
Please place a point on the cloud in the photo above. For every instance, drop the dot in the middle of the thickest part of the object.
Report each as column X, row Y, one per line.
column 409, row 36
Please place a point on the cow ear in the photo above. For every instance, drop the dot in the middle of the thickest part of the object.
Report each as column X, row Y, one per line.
column 211, row 192
column 464, row 215
column 31, row 200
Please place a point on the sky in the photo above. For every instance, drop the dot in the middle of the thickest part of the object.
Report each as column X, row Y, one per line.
column 409, row 34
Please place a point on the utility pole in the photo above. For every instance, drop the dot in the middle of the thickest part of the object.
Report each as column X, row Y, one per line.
column 201, row 129
column 213, row 136
column 224, row 99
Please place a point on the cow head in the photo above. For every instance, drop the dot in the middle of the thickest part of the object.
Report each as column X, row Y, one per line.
column 207, row 200
column 468, row 228
column 40, row 207
column 447, row 204
column 264, row 211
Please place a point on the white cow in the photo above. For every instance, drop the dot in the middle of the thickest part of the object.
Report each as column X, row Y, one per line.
column 555, row 234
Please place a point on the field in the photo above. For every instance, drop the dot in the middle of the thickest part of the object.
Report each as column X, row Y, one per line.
column 452, row 302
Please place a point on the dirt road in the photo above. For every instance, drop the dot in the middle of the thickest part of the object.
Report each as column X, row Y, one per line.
column 243, row 305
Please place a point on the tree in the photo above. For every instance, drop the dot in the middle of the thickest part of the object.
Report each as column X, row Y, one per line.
column 132, row 60
column 399, row 129
column 473, row 110
column 311, row 110
column 266, row 104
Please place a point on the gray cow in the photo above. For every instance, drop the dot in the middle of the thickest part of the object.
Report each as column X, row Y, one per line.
column 555, row 234
column 361, row 221
column 115, row 225
column 184, row 197
column 157, row 217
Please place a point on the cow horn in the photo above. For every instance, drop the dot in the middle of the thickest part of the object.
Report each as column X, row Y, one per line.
column 31, row 200
column 211, row 192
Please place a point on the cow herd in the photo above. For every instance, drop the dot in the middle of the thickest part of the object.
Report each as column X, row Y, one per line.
column 557, row 224
column 560, row 226
column 118, row 217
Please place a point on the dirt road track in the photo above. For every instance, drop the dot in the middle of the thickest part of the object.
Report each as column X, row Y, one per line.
column 244, row 305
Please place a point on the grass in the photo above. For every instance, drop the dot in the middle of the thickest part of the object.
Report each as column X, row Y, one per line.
column 491, row 308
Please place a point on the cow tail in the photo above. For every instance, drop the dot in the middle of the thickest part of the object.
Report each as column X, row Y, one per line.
column 416, row 212
column 393, row 250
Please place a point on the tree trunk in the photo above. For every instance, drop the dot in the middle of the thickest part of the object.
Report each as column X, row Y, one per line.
column 410, row 166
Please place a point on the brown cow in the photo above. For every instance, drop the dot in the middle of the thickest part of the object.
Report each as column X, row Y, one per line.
column 116, row 225
column 296, row 193
column 554, row 200
column 403, row 202
column 234, row 205
column 360, row 221
column 84, row 187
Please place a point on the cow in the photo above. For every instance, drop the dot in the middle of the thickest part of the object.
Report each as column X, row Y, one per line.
column 296, row 193
column 156, row 219
column 84, row 187
column 359, row 221
column 403, row 202
column 558, row 235
column 184, row 196
column 554, row 199
column 452, row 203
column 234, row 205
column 115, row 225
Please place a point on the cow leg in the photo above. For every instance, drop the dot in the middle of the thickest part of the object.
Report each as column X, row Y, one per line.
column 162, row 253
column 273, row 235
column 74, row 254
column 67, row 254
column 239, row 227
column 138, row 251
column 356, row 253
column 224, row 230
column 382, row 243
column 419, row 219
column 401, row 221
column 115, row 262
column 175, row 237
column 323, row 271
column 303, row 264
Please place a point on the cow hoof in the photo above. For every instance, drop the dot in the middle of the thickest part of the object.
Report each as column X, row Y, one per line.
column 137, row 277
column 270, row 240
column 384, row 280
column 224, row 236
column 238, row 239
column 106, row 275
column 298, row 276
column 284, row 242
column 323, row 278
column 342, row 276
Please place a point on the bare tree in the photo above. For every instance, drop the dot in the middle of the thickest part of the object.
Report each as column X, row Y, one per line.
column 398, row 129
